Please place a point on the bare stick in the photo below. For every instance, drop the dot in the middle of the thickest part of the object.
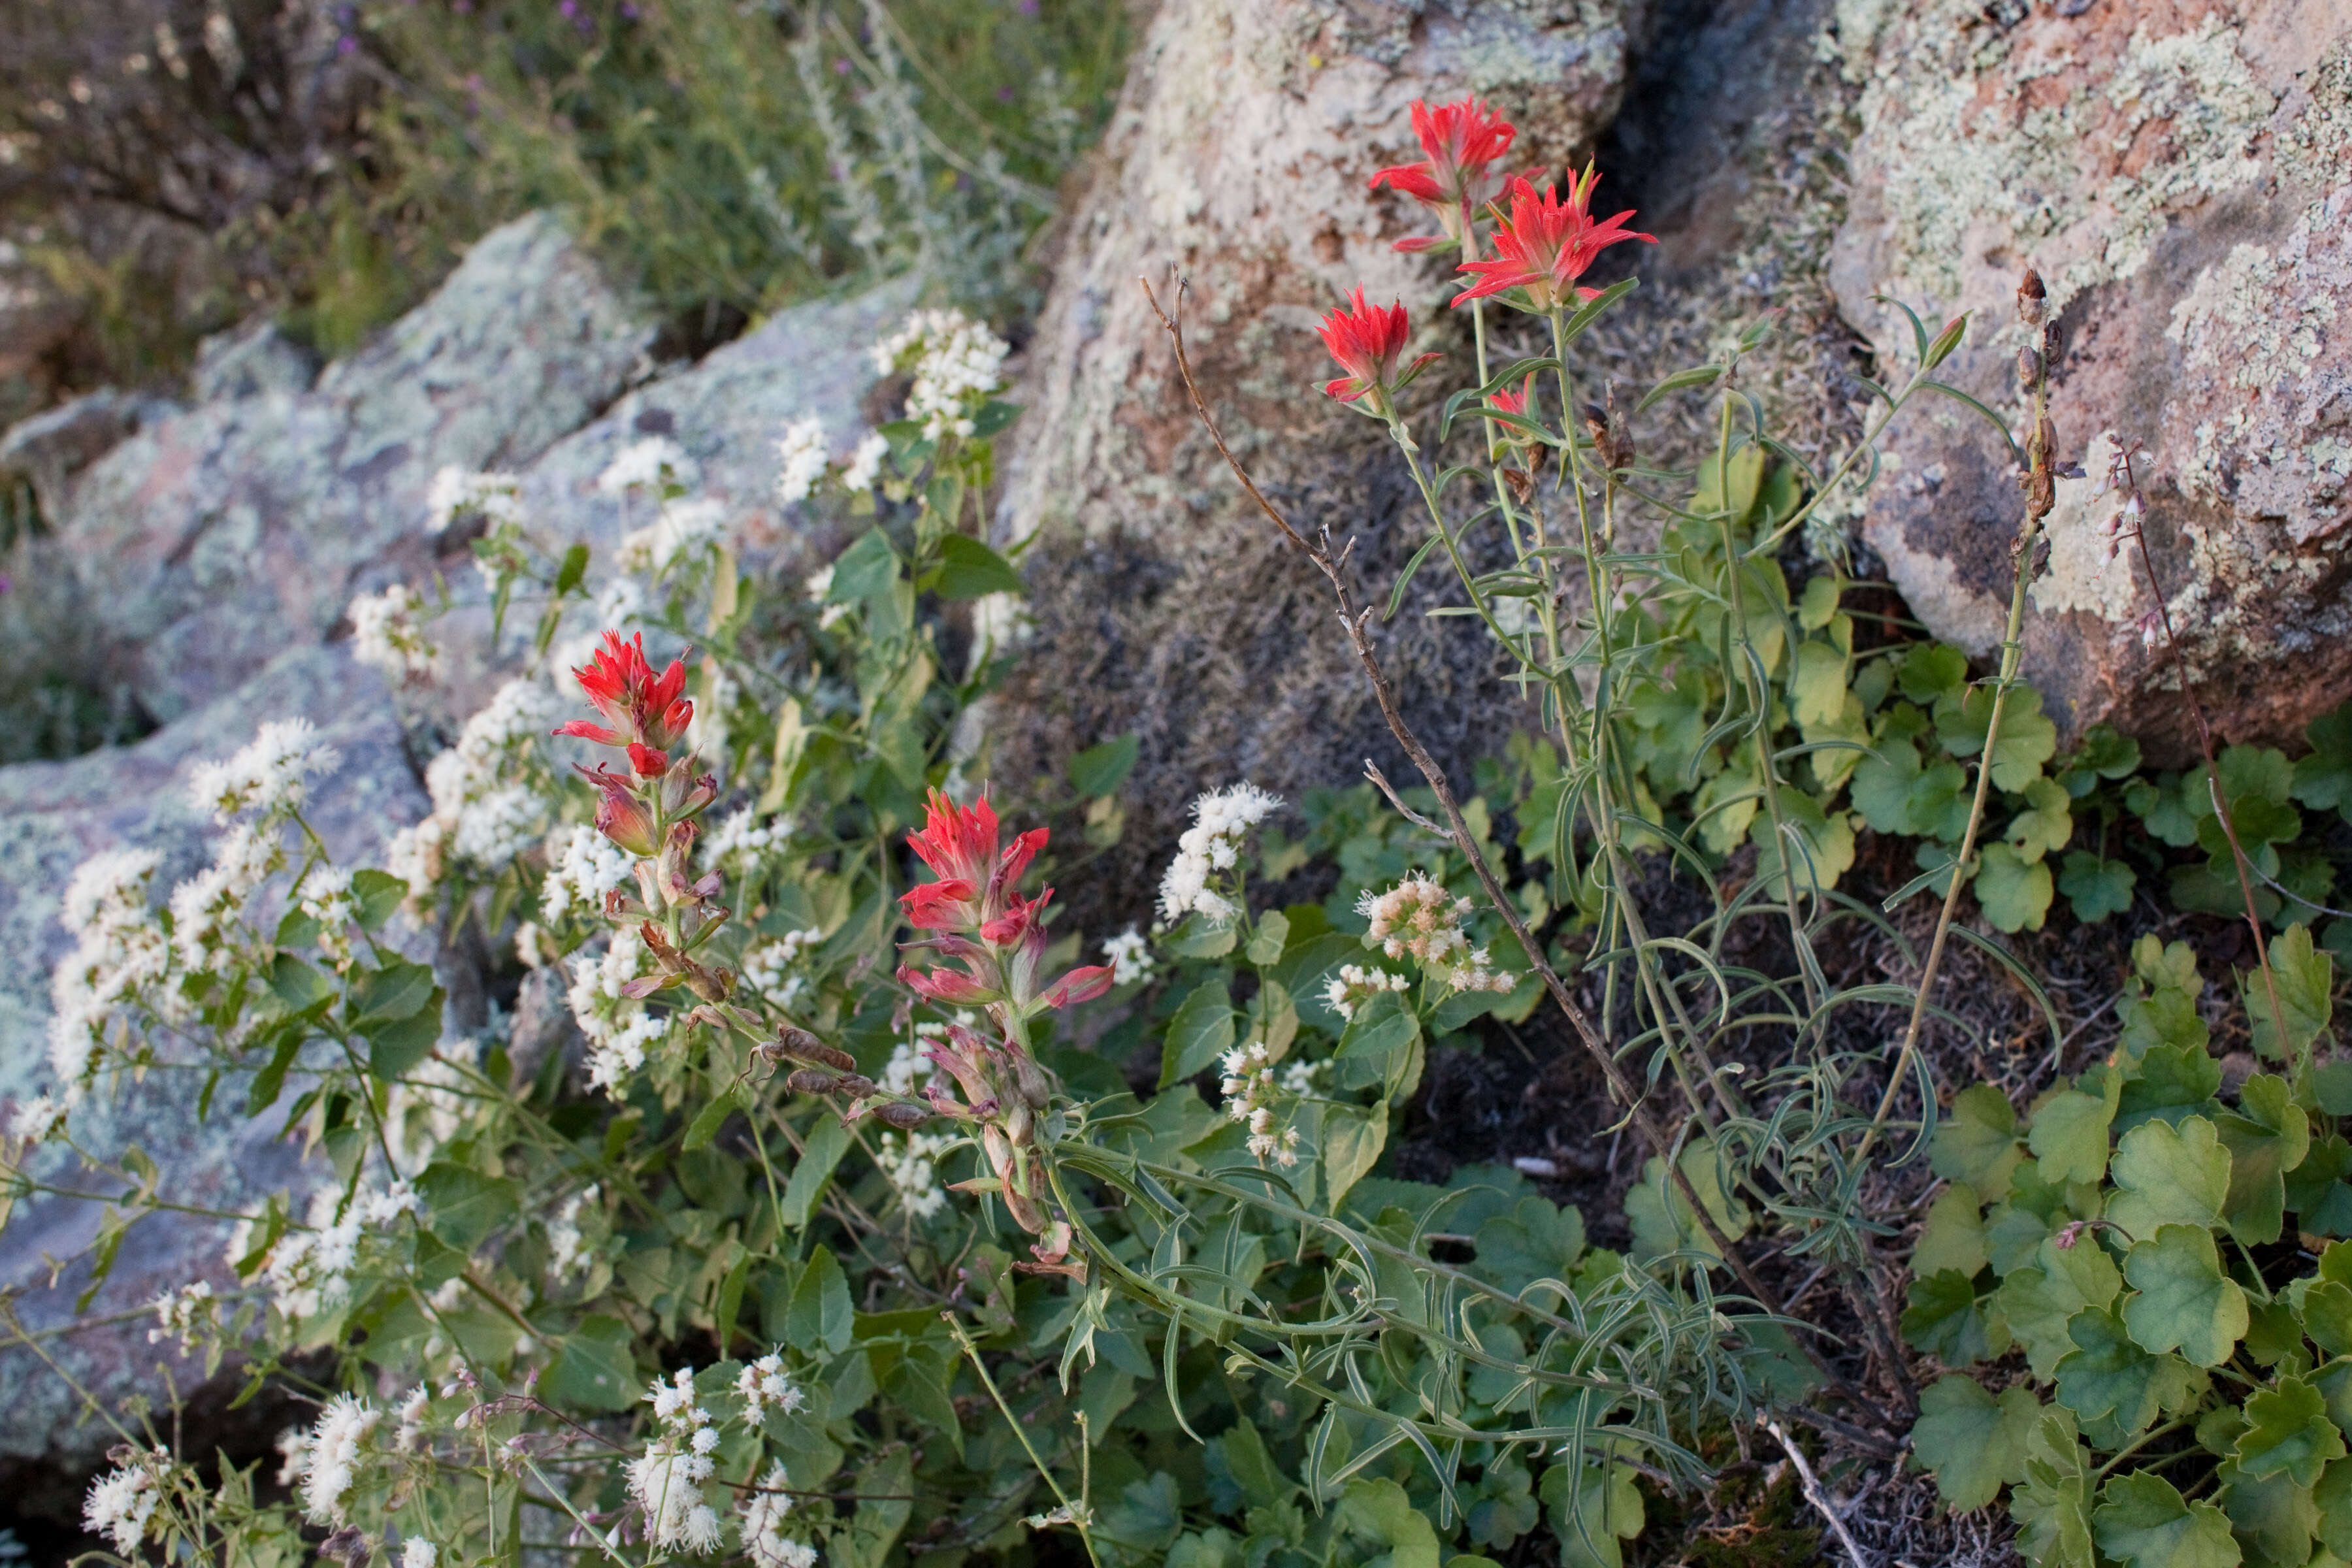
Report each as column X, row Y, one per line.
column 1353, row 620
column 1812, row 1487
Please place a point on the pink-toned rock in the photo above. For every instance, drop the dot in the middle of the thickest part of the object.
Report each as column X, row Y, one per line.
column 1239, row 157
column 2180, row 172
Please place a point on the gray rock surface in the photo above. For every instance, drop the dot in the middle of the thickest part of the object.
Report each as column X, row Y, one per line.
column 215, row 537
column 2178, row 173
column 53, row 815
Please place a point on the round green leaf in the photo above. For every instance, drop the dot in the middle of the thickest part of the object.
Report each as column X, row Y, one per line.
column 2184, row 1301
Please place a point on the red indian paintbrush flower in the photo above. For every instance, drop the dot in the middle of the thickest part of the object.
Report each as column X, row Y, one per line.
column 1367, row 341
column 1547, row 244
column 1461, row 140
column 974, row 876
column 645, row 712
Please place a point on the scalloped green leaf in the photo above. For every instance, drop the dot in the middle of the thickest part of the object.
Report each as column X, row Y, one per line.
column 2109, row 1377
column 1972, row 1443
column 2053, row 1504
column 2172, row 1084
column 2288, row 1433
column 2267, row 1136
column 2013, row 892
column 2183, row 1301
column 1954, row 1234
column 2143, row 1521
column 1976, row 1142
column 2069, row 1135
column 2170, row 1176
column 2096, row 888
column 1945, row 1318
column 2039, row 1301
column 2046, row 823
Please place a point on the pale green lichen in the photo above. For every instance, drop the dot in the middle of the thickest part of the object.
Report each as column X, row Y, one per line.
column 1985, row 163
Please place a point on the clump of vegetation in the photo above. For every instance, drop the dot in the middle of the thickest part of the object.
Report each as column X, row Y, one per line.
column 871, row 1217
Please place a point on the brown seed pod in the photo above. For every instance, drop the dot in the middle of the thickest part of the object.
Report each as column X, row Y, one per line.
column 903, row 1115
column 812, row 1081
column 857, row 1085
column 2028, row 369
column 2031, row 298
column 801, row 1046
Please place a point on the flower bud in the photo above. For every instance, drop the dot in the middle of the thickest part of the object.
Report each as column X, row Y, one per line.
column 1035, row 1085
column 621, row 816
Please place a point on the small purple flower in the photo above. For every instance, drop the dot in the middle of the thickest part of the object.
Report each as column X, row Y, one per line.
column 1028, row 7
column 570, row 8
column 1003, row 95
column 628, row 12
column 840, row 66
column 346, row 44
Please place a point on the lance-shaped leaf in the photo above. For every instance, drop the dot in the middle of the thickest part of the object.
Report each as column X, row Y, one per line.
column 2168, row 1175
column 2142, row 1520
column 2288, row 1433
column 2184, row 1301
column 1971, row 1442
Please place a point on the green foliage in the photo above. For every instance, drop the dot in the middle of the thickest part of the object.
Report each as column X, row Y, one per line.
column 2138, row 1271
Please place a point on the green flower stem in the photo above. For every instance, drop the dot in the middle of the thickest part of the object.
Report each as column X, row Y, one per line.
column 1077, row 1514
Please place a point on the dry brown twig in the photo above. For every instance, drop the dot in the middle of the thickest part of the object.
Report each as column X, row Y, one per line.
column 1353, row 621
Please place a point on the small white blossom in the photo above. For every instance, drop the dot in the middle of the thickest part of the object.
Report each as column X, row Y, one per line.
column 388, row 633
column 956, row 362
column 338, row 1452
column 763, row 1384
column 418, row 1553
column 652, row 463
column 1419, row 918
column 569, row 1251
column 119, row 1504
column 865, row 463
column 583, row 867
column 1210, row 850
column 456, row 494
column 1129, row 956
column 764, row 1512
column 802, row 453
column 268, row 776
column 683, row 528
column 908, row 1160
column 1355, row 984
column 35, row 1119
column 183, row 1314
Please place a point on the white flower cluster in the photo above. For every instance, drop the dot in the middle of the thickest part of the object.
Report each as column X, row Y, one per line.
column 764, row 1512
column 1355, row 984
column 426, row 1107
column 327, row 899
column 269, row 776
column 388, row 633
column 1418, row 918
column 1130, row 956
column 764, row 966
column 667, row 1478
column 583, row 867
column 335, row 1455
column 1248, row 1086
column 908, row 1067
column 684, row 528
column 1209, row 850
column 957, row 362
column 479, row 813
column 497, row 499
column 802, row 459
column 569, row 1250
column 36, row 1118
column 123, row 1500
column 619, row 1029
column 118, row 953
column 864, row 464
column 184, row 1314
column 208, row 910
column 418, row 1553
column 910, row 1161
column 738, row 839
column 654, row 463
column 763, row 1383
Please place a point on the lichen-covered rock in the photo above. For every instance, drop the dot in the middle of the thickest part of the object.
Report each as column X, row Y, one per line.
column 54, row 815
column 1238, row 158
column 213, row 537
column 2178, row 171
